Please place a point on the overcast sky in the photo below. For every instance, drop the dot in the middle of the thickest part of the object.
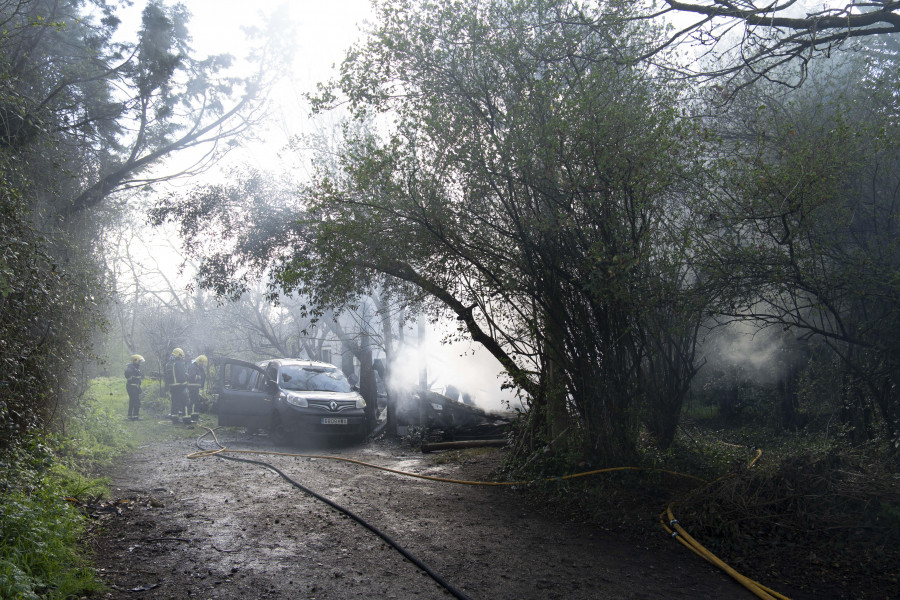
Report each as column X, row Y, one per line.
column 324, row 32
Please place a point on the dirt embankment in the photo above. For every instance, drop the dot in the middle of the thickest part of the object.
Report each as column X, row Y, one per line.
column 213, row 528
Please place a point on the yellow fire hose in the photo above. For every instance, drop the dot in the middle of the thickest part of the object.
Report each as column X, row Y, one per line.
column 672, row 527
column 677, row 531
column 697, row 548
column 205, row 453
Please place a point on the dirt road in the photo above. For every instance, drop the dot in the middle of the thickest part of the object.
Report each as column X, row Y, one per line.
column 213, row 528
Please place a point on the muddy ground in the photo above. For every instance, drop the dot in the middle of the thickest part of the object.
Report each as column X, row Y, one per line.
column 214, row 528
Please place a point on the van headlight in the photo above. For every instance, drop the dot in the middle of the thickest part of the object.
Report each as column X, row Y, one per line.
column 297, row 401
column 437, row 406
column 360, row 402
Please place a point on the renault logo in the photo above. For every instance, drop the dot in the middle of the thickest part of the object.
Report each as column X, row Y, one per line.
column 333, row 406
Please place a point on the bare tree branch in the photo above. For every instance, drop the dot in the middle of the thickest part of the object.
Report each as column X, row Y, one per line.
column 774, row 34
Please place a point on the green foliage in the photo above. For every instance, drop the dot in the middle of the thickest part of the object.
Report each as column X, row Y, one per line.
column 100, row 432
column 102, row 110
column 41, row 533
column 537, row 453
column 80, row 115
column 530, row 197
column 40, row 546
column 803, row 235
column 557, row 200
column 96, row 432
column 47, row 315
column 820, row 505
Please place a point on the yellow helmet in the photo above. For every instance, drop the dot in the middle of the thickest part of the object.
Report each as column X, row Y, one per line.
column 202, row 360
column 178, row 353
column 137, row 359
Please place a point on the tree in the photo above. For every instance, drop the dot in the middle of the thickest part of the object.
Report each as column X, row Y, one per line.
column 83, row 116
column 758, row 39
column 47, row 316
column 528, row 189
column 805, row 228
column 107, row 111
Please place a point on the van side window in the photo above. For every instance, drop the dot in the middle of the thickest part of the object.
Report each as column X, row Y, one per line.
column 237, row 377
column 255, row 381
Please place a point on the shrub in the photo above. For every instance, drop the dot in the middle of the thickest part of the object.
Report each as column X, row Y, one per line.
column 40, row 544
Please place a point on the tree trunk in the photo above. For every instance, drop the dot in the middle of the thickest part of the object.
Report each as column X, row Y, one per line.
column 787, row 393
column 347, row 365
column 387, row 333
column 856, row 410
column 367, row 386
column 462, row 445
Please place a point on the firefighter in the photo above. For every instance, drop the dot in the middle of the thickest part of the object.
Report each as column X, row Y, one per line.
column 133, row 378
column 196, row 381
column 176, row 378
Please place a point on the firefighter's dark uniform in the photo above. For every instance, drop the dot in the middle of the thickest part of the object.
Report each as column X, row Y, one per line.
column 196, row 380
column 133, row 378
column 176, row 377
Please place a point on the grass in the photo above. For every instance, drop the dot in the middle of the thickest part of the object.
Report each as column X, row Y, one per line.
column 42, row 483
column 41, row 553
column 102, row 432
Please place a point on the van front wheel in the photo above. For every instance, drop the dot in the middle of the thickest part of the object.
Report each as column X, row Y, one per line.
column 277, row 431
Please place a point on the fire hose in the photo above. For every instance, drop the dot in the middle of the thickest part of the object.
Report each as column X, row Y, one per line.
column 387, row 539
column 221, row 450
column 697, row 548
column 672, row 527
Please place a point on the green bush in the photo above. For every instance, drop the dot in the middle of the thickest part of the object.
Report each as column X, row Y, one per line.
column 40, row 531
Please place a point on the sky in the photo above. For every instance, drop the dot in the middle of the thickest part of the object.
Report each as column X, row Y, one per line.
column 325, row 30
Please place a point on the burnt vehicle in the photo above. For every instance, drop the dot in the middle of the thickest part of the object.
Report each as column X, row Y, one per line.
column 290, row 398
column 447, row 415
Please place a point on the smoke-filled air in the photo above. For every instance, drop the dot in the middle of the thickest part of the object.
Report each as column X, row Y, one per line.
column 466, row 272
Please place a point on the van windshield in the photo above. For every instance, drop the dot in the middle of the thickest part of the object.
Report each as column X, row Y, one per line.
column 312, row 379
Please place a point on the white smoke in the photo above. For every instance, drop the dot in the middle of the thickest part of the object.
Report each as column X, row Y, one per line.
column 465, row 365
column 760, row 354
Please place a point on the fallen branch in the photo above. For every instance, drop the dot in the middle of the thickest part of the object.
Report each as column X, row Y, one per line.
column 462, row 445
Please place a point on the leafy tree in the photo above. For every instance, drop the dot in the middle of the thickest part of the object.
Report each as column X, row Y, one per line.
column 528, row 187
column 805, row 229
column 83, row 116
column 241, row 230
column 38, row 346
column 93, row 115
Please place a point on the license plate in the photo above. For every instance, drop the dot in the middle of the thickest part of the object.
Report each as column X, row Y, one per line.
column 333, row 421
